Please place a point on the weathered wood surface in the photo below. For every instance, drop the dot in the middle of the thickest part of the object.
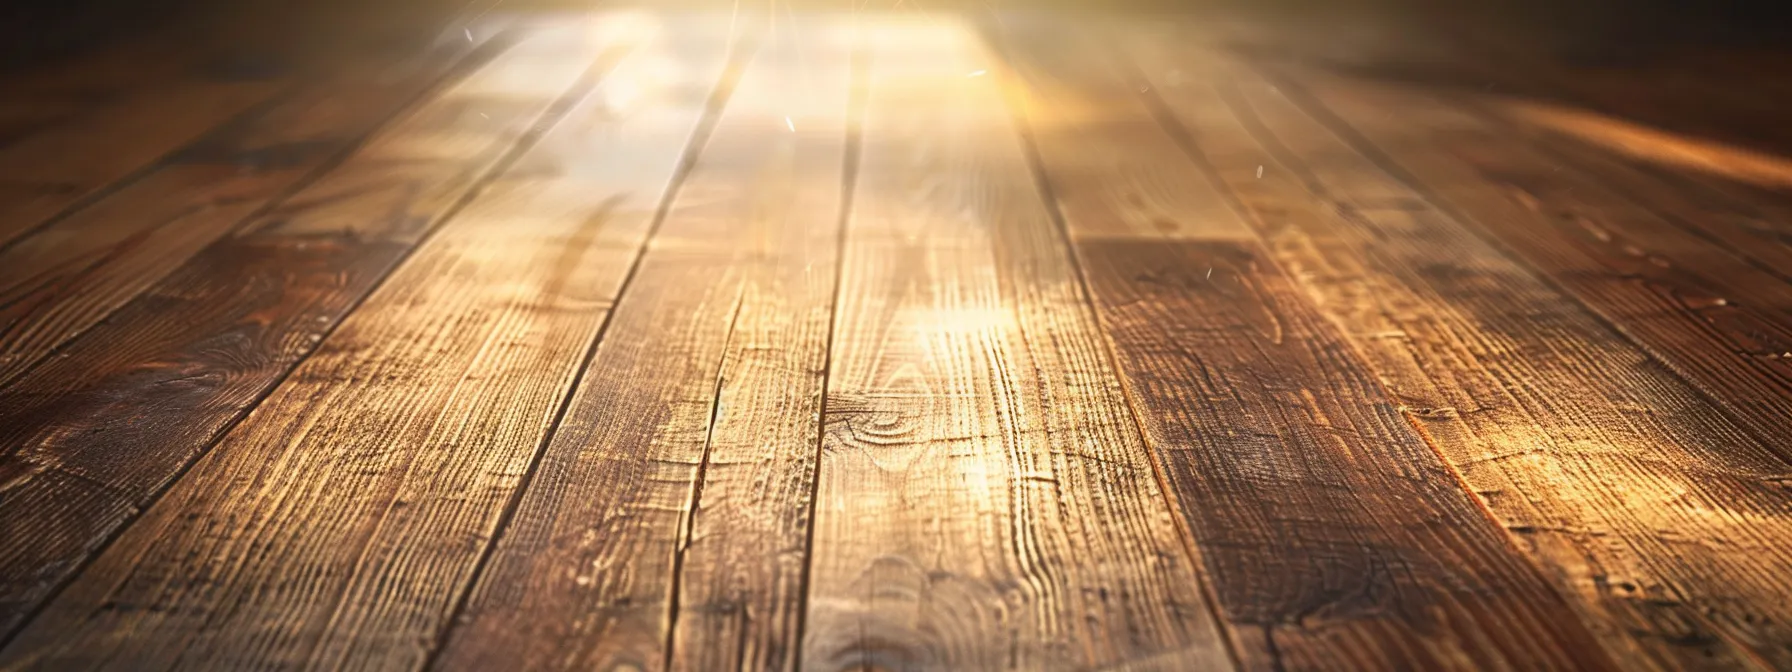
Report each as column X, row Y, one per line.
column 743, row 554
column 1747, row 220
column 100, row 430
column 69, row 88
column 45, row 174
column 1715, row 319
column 238, row 40
column 876, row 342
column 1719, row 187
column 44, row 97
column 64, row 279
column 985, row 501
column 1332, row 534
column 1655, row 513
column 91, row 126
column 664, row 528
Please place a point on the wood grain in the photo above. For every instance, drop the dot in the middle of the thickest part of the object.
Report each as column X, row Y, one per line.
column 743, row 554
column 1713, row 92
column 1333, row 535
column 47, row 173
column 43, row 97
column 681, row 340
column 665, row 526
column 1748, row 221
column 1655, row 514
column 100, row 431
column 984, row 499
column 229, row 42
column 67, row 277
column 1713, row 318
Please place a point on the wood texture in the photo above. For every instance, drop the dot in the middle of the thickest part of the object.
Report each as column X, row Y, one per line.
column 1748, row 222
column 69, row 89
column 1717, row 187
column 44, row 175
column 64, row 279
column 1657, row 515
column 1713, row 318
column 44, row 97
column 675, row 338
column 101, row 431
column 984, row 499
column 1333, row 535
column 236, row 41
column 457, row 366
column 743, row 555
column 665, row 526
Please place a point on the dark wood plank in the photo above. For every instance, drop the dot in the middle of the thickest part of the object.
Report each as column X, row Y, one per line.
column 1333, row 534
column 1708, row 91
column 47, row 173
column 665, row 526
column 984, row 499
column 1691, row 183
column 64, row 279
column 97, row 433
column 229, row 42
column 1660, row 518
column 44, row 95
column 1718, row 321
column 1625, row 122
column 55, row 93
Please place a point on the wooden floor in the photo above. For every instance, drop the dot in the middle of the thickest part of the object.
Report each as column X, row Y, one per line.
column 641, row 340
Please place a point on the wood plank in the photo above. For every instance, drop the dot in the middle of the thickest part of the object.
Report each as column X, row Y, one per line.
column 984, row 499
column 1746, row 220
column 1711, row 99
column 48, row 94
column 377, row 473
column 229, row 41
column 64, row 279
column 97, row 433
column 55, row 93
column 664, row 528
column 1661, row 519
column 1716, row 320
column 49, row 173
column 1333, row 535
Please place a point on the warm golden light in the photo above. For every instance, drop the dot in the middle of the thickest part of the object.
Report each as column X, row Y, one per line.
column 1653, row 144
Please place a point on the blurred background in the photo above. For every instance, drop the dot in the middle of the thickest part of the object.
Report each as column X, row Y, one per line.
column 1738, row 42
column 1582, row 29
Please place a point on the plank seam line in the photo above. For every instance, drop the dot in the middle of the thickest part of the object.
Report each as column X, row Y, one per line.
column 1582, row 160
column 688, row 518
column 1048, row 195
column 6, row 638
column 1315, row 109
column 1133, row 405
column 1260, row 133
column 724, row 88
column 469, row 61
column 1351, row 136
column 857, row 94
column 1283, row 156
column 285, row 93
column 1286, row 158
